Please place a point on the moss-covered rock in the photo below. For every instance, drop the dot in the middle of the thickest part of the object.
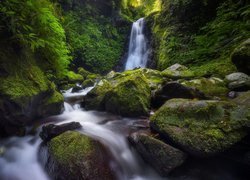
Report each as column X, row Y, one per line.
column 75, row 155
column 129, row 97
column 95, row 98
column 162, row 157
column 201, row 127
column 243, row 99
column 26, row 93
column 72, row 77
column 178, row 71
column 209, row 86
column 241, row 57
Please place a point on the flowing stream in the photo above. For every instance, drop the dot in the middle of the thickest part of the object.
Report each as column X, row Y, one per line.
column 19, row 155
column 137, row 55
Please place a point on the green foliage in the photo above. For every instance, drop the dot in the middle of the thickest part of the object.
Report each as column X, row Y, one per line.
column 35, row 24
column 180, row 42
column 95, row 43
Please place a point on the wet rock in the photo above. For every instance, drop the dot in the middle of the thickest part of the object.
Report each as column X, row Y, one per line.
column 238, row 81
column 88, row 83
column 95, row 99
column 161, row 156
column 76, row 156
column 178, row 71
column 201, row 127
column 232, row 94
column 50, row 131
column 241, row 57
column 76, row 88
column 175, row 90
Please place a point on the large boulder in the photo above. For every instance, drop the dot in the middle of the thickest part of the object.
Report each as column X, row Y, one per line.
column 178, row 71
column 126, row 93
column 76, row 156
column 209, row 86
column 26, row 96
column 241, row 57
column 162, row 157
column 174, row 90
column 238, row 81
column 95, row 98
column 129, row 97
column 201, row 127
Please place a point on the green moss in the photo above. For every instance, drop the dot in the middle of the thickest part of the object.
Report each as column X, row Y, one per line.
column 70, row 146
column 129, row 97
column 95, row 98
column 211, row 86
column 95, row 42
column 55, row 98
column 185, row 74
column 73, row 77
column 202, row 38
column 202, row 127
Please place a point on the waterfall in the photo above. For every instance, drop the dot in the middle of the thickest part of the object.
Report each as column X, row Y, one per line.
column 137, row 55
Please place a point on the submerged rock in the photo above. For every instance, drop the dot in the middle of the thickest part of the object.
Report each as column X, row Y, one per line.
column 50, row 131
column 76, row 156
column 241, row 57
column 162, row 157
column 178, row 71
column 201, row 127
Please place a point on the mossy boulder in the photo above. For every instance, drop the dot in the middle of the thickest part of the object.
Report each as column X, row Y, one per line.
column 172, row 90
column 209, row 86
column 72, row 77
column 130, row 96
column 201, row 127
column 95, row 98
column 72, row 155
column 178, row 71
column 127, row 93
column 161, row 156
column 26, row 95
column 241, row 57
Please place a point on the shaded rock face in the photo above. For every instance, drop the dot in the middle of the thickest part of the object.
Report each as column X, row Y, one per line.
column 241, row 57
column 175, row 90
column 50, row 131
column 76, row 156
column 15, row 115
column 238, row 81
column 162, row 157
column 201, row 127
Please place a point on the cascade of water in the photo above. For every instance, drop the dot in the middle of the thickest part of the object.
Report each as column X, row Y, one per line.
column 137, row 55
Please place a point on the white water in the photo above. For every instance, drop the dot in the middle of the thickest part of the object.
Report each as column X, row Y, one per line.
column 137, row 55
column 19, row 156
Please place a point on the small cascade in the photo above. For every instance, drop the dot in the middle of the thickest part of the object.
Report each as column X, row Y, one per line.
column 138, row 54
